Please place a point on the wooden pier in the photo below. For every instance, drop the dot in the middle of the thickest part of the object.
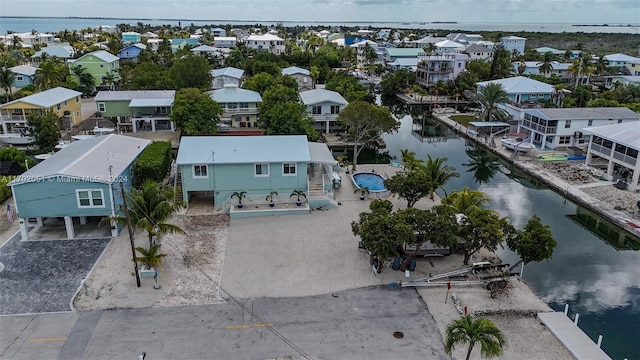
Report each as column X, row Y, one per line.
column 576, row 341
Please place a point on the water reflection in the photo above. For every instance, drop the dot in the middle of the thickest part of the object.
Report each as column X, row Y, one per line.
column 482, row 163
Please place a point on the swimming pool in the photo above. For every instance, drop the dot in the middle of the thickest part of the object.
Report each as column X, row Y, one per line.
column 372, row 181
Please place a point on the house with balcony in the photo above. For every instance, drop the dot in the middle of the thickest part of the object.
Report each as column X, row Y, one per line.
column 514, row 43
column 208, row 51
column 65, row 103
column 302, row 76
column 80, row 184
column 225, row 42
column 559, row 128
column 212, row 168
column 617, row 146
column 425, row 42
column 324, row 107
column 131, row 52
column 137, row 110
column 610, row 81
column 25, row 75
column 267, row 42
column 218, row 32
column 239, row 106
column 442, row 67
column 29, row 39
column 619, row 60
column 98, row 64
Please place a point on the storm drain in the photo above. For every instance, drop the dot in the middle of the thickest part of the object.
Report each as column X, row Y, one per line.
column 398, row 334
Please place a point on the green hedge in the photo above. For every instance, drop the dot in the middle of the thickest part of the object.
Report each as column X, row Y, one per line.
column 5, row 191
column 154, row 163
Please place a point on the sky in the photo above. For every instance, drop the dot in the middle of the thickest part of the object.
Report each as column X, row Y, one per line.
column 473, row 11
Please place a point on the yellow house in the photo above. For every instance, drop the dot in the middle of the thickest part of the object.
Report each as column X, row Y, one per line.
column 64, row 102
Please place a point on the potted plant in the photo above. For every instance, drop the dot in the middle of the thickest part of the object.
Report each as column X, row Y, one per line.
column 298, row 193
column 346, row 167
column 270, row 198
column 150, row 258
column 363, row 191
column 240, row 195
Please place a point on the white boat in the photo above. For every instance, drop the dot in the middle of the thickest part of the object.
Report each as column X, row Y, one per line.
column 96, row 131
column 16, row 139
column 517, row 143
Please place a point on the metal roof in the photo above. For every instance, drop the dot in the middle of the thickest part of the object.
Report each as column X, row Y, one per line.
column 24, row 70
column 62, row 51
column 521, row 85
column 317, row 96
column 404, row 51
column 321, row 154
column 134, row 94
column 265, row 37
column 295, row 70
column 150, row 102
column 102, row 55
column 204, row 48
column 231, row 93
column 242, row 149
column 588, row 113
column 228, row 71
column 99, row 159
column 48, row 98
column 627, row 134
column 619, row 57
column 488, row 123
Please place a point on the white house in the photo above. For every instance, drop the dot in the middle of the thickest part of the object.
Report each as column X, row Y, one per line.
column 302, row 76
column 618, row 145
column 465, row 39
column 449, row 47
column 609, row 81
column 224, row 76
column 206, row 50
column 551, row 128
column 512, row 43
column 225, row 41
column 425, row 42
column 478, row 52
column 324, row 106
column 266, row 42
column 434, row 68
column 619, row 60
column 218, row 32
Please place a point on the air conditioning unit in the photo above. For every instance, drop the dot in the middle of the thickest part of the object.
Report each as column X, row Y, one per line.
column 578, row 134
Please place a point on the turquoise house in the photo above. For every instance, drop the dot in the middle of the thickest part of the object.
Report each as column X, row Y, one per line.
column 79, row 183
column 212, row 168
column 522, row 90
column 25, row 75
column 131, row 37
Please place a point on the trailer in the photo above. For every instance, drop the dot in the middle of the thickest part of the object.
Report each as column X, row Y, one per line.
column 492, row 276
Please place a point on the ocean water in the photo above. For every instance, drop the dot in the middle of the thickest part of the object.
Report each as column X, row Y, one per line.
column 26, row 24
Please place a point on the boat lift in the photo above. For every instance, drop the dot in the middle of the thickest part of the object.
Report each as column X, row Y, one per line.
column 459, row 277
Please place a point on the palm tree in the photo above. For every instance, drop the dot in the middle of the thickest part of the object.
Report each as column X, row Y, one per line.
column 7, row 77
column 437, row 174
column 546, row 65
column 50, row 73
column 472, row 330
column 482, row 163
column 109, row 79
column 150, row 257
column 466, row 201
column 409, row 159
column 149, row 209
column 489, row 96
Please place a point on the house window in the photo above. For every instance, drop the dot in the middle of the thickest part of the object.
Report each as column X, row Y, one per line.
column 161, row 110
column 288, row 169
column 335, row 109
column 620, row 121
column 101, row 66
column 244, row 105
column 261, row 169
column 19, row 78
column 199, row 171
column 564, row 140
column 590, row 123
column 77, row 98
column 58, row 107
column 90, row 198
column 77, row 113
column 304, row 80
column 102, row 107
column 567, row 124
column 316, row 110
column 65, row 103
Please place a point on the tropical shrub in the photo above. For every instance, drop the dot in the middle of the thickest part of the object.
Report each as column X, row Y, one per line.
column 153, row 164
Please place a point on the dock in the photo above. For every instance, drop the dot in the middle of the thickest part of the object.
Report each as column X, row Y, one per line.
column 576, row 341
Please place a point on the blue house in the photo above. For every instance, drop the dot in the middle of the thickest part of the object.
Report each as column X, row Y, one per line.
column 79, row 183
column 131, row 37
column 25, row 75
column 212, row 168
column 131, row 52
column 522, row 90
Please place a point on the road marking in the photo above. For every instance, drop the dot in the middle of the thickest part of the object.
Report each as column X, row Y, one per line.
column 47, row 339
column 248, row 326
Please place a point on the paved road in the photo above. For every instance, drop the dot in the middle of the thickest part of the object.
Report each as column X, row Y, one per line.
column 353, row 324
column 43, row 276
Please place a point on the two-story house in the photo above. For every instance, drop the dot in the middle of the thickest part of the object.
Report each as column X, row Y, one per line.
column 552, row 128
column 618, row 145
column 80, row 183
column 558, row 69
column 239, row 106
column 98, row 64
column 215, row 167
column 137, row 110
column 224, row 76
column 464, row 39
column 443, row 67
column 478, row 52
column 449, row 47
column 302, row 76
column 131, row 52
column 25, row 75
column 266, row 42
column 218, row 32
column 402, row 58
column 324, row 107
column 521, row 90
column 64, row 102
column 225, row 42
column 514, row 43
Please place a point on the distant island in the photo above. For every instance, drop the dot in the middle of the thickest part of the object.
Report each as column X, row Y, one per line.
column 619, row 25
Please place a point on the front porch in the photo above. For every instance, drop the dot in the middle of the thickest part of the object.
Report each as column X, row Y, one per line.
column 148, row 123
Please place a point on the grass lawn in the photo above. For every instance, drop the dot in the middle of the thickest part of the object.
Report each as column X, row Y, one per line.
column 463, row 119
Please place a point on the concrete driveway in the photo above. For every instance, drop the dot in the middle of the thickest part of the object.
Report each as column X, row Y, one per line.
column 43, row 276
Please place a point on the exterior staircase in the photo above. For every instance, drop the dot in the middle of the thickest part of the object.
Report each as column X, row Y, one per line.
column 177, row 187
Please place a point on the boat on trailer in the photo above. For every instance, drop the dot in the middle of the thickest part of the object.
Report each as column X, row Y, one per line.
column 515, row 143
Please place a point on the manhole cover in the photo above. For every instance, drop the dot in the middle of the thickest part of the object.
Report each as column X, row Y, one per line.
column 398, row 334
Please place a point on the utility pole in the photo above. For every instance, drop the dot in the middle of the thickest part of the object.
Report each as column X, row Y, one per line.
column 133, row 246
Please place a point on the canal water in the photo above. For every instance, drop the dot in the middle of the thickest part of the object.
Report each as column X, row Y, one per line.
column 599, row 279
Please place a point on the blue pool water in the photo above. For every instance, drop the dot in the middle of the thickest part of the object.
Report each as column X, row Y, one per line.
column 373, row 181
